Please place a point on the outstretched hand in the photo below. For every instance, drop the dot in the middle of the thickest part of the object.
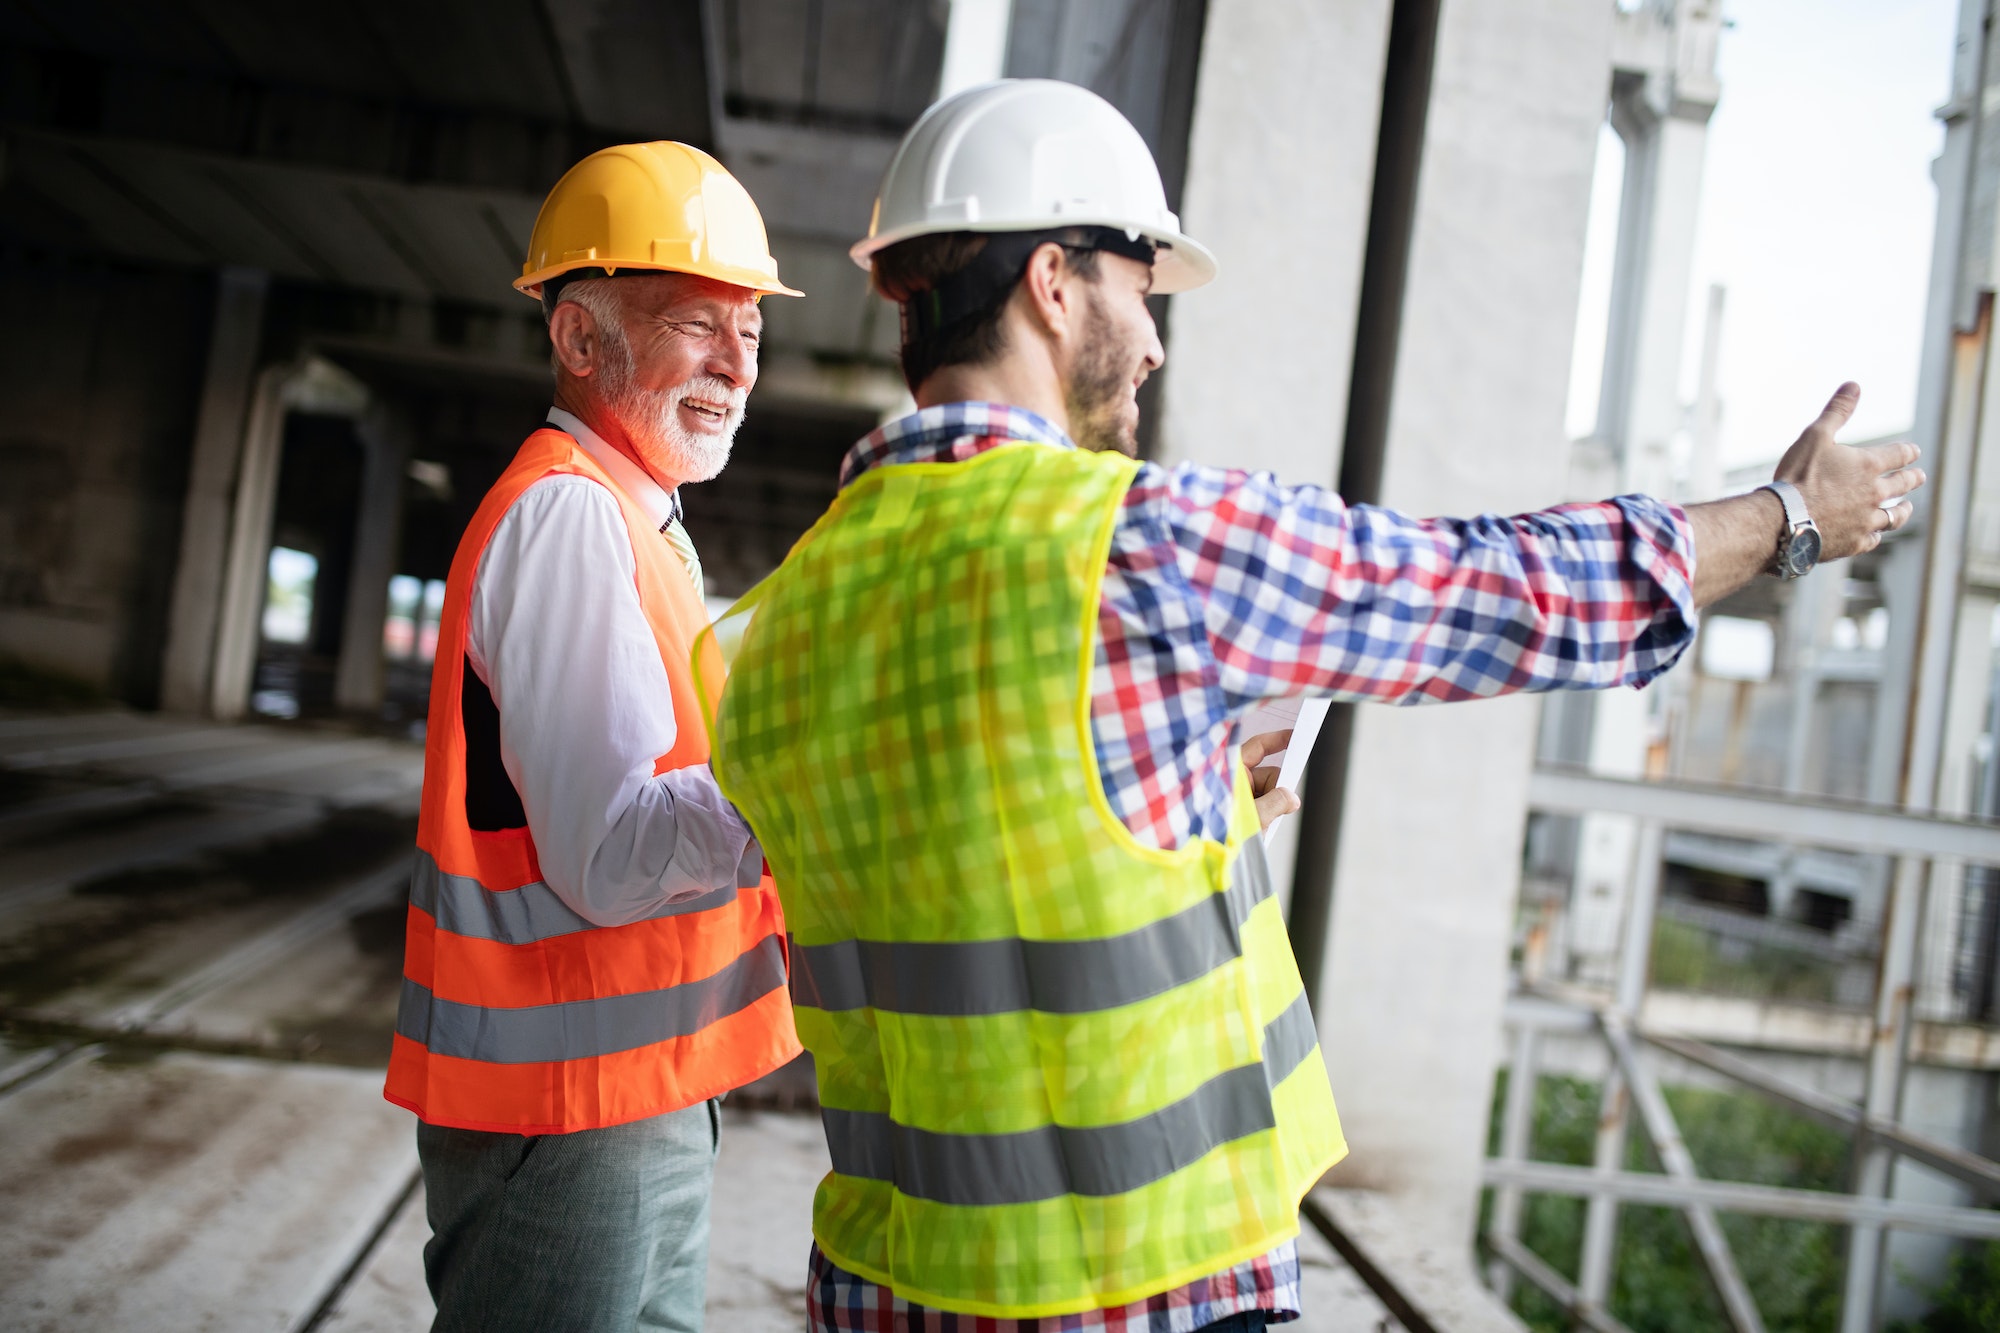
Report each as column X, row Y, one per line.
column 1272, row 800
column 1846, row 486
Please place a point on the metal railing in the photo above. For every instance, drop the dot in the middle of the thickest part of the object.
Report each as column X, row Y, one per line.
column 1929, row 851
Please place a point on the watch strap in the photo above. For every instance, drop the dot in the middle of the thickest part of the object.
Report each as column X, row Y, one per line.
column 1795, row 503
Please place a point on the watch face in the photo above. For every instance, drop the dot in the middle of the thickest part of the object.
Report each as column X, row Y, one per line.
column 1802, row 551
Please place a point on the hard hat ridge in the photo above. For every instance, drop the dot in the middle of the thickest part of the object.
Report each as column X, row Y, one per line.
column 652, row 207
column 1030, row 155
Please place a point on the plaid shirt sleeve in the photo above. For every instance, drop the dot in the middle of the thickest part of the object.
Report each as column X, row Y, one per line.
column 1306, row 594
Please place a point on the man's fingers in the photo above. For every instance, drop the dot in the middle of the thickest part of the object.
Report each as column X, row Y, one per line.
column 1278, row 801
column 1898, row 483
column 1261, row 746
column 1897, row 516
column 1839, row 407
column 1889, row 457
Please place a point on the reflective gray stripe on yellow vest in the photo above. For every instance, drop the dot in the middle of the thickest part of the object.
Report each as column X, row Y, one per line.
column 464, row 906
column 989, row 1170
column 584, row 1028
column 973, row 977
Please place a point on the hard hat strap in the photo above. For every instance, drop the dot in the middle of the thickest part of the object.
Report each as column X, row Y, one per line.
column 984, row 283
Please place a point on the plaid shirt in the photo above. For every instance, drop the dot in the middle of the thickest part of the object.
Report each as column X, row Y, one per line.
column 1223, row 590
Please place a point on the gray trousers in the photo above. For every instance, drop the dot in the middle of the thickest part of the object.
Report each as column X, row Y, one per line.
column 600, row 1231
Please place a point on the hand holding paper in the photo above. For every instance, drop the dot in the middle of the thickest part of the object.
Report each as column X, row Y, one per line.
column 1273, row 802
column 1298, row 722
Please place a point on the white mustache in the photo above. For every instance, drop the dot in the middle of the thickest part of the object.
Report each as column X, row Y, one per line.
column 711, row 389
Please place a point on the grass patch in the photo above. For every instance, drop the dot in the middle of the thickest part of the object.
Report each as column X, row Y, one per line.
column 1685, row 957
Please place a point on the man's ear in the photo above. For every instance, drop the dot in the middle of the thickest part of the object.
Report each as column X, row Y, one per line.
column 573, row 335
column 1049, row 283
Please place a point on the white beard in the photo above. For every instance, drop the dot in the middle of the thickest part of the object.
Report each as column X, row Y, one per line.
column 652, row 419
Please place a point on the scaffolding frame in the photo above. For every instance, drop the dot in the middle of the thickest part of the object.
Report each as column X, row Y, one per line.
column 1922, row 844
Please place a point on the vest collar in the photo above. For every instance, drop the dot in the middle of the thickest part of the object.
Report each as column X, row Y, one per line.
column 655, row 501
column 949, row 433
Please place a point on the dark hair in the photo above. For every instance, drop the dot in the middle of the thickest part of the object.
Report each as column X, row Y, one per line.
column 960, row 324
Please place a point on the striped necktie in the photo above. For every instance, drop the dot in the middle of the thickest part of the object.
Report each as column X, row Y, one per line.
column 677, row 538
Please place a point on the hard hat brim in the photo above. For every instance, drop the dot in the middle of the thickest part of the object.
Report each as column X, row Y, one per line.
column 1183, row 263
column 530, row 284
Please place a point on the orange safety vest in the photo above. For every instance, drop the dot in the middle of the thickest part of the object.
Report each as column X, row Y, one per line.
column 517, row 1015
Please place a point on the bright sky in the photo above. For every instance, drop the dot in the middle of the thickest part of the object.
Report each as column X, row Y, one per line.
column 1816, row 214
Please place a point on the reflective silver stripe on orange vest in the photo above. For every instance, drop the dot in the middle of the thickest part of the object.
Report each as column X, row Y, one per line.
column 975, row 977
column 584, row 1028
column 462, row 905
column 989, row 1170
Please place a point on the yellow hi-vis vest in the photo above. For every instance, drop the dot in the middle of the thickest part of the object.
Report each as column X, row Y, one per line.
column 1059, row 1070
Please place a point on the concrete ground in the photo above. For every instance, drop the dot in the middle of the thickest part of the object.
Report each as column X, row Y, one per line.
column 200, row 943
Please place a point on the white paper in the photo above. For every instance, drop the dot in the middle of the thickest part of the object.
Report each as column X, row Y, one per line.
column 1303, row 716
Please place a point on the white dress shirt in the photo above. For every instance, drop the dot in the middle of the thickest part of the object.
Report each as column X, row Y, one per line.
column 557, row 633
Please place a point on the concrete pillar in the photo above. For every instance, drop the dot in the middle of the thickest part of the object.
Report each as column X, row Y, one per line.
column 1281, row 158
column 1279, row 189
column 378, row 531
column 218, row 445
column 975, row 44
column 1416, row 969
column 310, row 385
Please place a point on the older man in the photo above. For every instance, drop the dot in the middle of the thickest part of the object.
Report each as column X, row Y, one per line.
column 594, row 955
column 1069, row 1074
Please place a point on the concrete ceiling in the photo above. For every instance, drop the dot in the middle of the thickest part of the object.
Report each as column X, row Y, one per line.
column 402, row 147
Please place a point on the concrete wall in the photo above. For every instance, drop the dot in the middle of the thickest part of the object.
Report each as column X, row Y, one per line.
column 1424, row 893
column 100, row 368
column 1281, row 159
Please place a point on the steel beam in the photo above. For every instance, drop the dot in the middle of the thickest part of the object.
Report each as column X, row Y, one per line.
column 1520, row 1259
column 1665, row 1133
column 1516, row 1121
column 1600, row 1222
column 1754, row 1200
column 1767, row 816
column 1981, row 1173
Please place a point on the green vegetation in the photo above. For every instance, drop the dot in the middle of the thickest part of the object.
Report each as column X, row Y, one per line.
column 1685, row 958
column 1969, row 1299
column 1658, row 1282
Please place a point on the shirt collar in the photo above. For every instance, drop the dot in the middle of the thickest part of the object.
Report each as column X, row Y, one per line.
column 658, row 503
column 949, row 433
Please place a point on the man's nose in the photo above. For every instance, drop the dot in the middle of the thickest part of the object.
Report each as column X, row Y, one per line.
column 734, row 358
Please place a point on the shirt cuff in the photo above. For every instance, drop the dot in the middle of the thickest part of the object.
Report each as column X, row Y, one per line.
column 1659, row 544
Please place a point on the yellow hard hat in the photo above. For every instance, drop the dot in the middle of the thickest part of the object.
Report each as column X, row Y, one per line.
column 661, row 206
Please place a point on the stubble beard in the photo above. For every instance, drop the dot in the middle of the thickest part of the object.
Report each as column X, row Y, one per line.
column 1098, row 389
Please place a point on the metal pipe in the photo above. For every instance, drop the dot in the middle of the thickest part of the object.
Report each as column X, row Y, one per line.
column 1923, row 744
column 1767, row 816
column 1665, row 1133
column 1981, row 1173
column 1600, row 1222
column 1755, row 1200
column 1516, row 1122
column 1520, row 1259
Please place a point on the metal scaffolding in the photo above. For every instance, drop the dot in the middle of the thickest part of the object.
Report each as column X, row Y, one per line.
column 1633, row 1083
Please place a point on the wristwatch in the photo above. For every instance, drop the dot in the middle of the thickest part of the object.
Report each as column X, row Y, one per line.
column 1798, row 544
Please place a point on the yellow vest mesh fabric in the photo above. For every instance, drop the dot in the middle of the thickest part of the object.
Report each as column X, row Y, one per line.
column 906, row 727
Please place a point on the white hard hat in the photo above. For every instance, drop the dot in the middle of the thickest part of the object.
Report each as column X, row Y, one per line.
column 1030, row 155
